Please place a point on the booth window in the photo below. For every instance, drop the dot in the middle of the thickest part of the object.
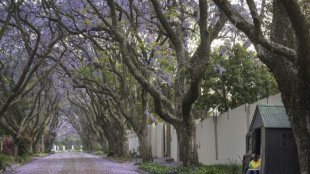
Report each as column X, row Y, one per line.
column 287, row 140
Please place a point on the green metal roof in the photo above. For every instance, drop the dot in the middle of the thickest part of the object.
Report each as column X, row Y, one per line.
column 274, row 116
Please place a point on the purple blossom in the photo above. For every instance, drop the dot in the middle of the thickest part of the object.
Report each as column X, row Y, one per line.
column 257, row 63
column 185, row 47
column 148, row 40
column 213, row 20
column 223, row 51
column 170, row 3
column 146, row 112
column 219, row 68
column 227, row 44
column 222, row 70
column 152, row 61
column 247, row 44
column 158, row 55
column 193, row 3
column 186, row 24
column 2, row 57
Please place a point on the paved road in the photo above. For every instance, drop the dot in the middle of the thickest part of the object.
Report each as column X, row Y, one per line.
column 74, row 163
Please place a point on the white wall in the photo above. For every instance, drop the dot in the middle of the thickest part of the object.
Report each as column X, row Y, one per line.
column 232, row 130
column 205, row 142
column 232, row 127
column 153, row 140
column 133, row 141
column 159, row 129
column 174, row 144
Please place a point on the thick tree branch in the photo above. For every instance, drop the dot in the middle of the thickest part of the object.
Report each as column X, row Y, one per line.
column 250, row 31
column 301, row 28
column 173, row 37
column 215, row 30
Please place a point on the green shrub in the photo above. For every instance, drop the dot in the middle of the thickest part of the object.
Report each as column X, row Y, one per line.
column 4, row 165
column 209, row 170
column 170, row 160
column 8, row 146
column 24, row 143
column 110, row 153
column 6, row 158
column 18, row 159
column 183, row 170
column 23, row 159
column 4, row 162
column 155, row 168
column 39, row 154
column 233, row 167
column 98, row 152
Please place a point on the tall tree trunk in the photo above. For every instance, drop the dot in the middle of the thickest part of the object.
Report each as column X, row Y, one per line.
column 16, row 145
column 143, row 148
column 113, row 146
column 32, row 147
column 117, row 144
column 104, row 143
column 15, row 149
column 297, row 107
column 122, row 144
column 293, row 85
column 187, row 140
column 142, row 134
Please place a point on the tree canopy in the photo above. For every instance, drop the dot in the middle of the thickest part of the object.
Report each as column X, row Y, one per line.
column 99, row 63
column 235, row 77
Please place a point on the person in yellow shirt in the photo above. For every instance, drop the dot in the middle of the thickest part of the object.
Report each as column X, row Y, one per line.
column 254, row 165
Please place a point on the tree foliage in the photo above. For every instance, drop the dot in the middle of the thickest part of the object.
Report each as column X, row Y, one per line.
column 235, row 77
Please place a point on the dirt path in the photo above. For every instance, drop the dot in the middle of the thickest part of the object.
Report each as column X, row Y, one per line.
column 74, row 163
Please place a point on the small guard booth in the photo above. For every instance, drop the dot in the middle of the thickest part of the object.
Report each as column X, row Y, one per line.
column 271, row 138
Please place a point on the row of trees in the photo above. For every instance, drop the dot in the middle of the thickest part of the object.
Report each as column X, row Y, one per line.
column 33, row 116
column 109, row 58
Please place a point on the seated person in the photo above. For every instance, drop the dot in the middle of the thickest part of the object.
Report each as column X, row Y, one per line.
column 254, row 165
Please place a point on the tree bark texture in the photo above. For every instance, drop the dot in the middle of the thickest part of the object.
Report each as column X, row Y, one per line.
column 293, row 84
column 287, row 54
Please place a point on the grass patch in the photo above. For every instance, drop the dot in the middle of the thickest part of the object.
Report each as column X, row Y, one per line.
column 99, row 152
column 23, row 159
column 4, row 166
column 155, row 168
column 18, row 159
column 39, row 154
column 119, row 159
column 5, row 158
column 6, row 161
